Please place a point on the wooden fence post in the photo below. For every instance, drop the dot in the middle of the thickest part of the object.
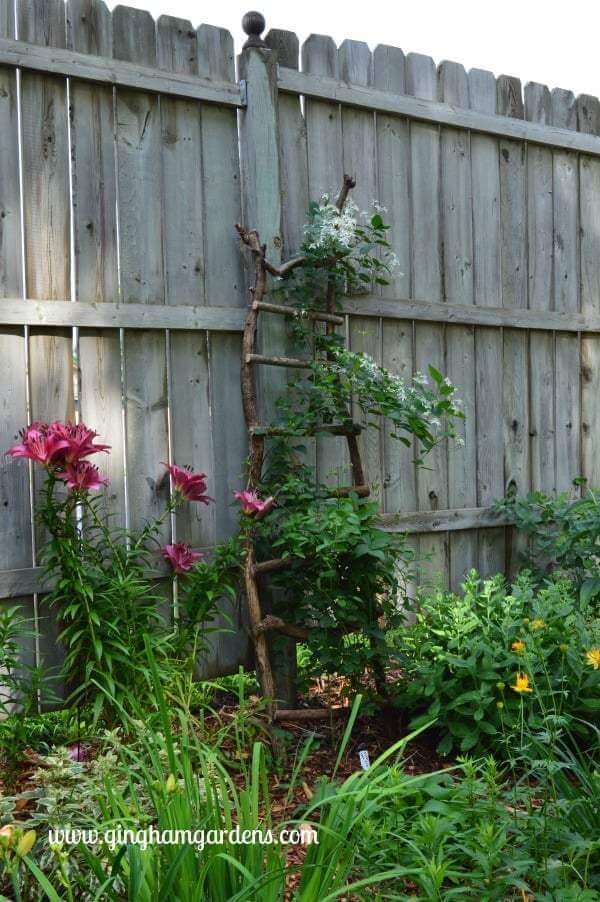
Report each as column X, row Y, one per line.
column 261, row 207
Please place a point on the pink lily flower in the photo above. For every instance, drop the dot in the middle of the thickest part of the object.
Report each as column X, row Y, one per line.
column 82, row 476
column 191, row 486
column 253, row 505
column 80, row 439
column 180, row 556
column 57, row 443
column 40, row 445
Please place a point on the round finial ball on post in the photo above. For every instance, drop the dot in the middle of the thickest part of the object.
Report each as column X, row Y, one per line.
column 253, row 25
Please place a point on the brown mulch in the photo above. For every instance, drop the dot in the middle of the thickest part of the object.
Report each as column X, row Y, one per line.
column 374, row 732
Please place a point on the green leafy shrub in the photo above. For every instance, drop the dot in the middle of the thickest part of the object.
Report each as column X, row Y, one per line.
column 563, row 534
column 473, row 832
column 465, row 654
column 344, row 574
column 346, row 252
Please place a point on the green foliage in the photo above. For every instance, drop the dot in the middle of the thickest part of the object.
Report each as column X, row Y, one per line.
column 107, row 600
column 19, row 680
column 472, row 831
column 563, row 533
column 345, row 574
column 345, row 253
column 462, row 655
column 21, row 684
column 344, row 569
column 420, row 409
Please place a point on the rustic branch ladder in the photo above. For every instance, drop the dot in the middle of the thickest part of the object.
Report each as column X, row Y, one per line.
column 257, row 434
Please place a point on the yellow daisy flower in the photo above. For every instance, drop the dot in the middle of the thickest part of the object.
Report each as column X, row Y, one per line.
column 593, row 658
column 518, row 646
column 537, row 624
column 522, row 683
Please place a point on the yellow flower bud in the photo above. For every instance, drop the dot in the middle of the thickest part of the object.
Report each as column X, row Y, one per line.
column 501, row 686
column 171, row 783
column 26, row 843
column 563, row 647
column 500, row 705
column 6, row 835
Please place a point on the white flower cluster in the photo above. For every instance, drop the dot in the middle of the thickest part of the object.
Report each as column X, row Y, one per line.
column 330, row 227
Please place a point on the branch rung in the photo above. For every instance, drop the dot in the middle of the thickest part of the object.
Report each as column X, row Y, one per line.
column 270, row 622
column 313, row 315
column 278, row 361
column 273, row 565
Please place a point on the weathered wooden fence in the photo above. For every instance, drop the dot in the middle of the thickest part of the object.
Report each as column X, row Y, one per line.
column 122, row 292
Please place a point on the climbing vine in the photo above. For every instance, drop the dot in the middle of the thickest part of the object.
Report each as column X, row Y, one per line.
column 339, row 574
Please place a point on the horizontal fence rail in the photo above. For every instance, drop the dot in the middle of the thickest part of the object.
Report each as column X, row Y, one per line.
column 18, row 312
column 319, row 87
column 455, row 314
column 56, row 61
column 14, row 583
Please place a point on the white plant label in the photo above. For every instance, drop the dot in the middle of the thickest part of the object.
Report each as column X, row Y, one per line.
column 363, row 756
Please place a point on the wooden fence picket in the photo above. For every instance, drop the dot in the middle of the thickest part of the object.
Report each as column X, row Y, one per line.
column 224, row 287
column 567, row 393
column 16, row 544
column 184, row 267
column 359, row 148
column 457, row 243
column 89, row 30
column 47, row 220
column 398, row 473
column 432, row 481
column 588, row 109
column 541, row 261
column 513, row 281
column 325, row 166
column 485, row 176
